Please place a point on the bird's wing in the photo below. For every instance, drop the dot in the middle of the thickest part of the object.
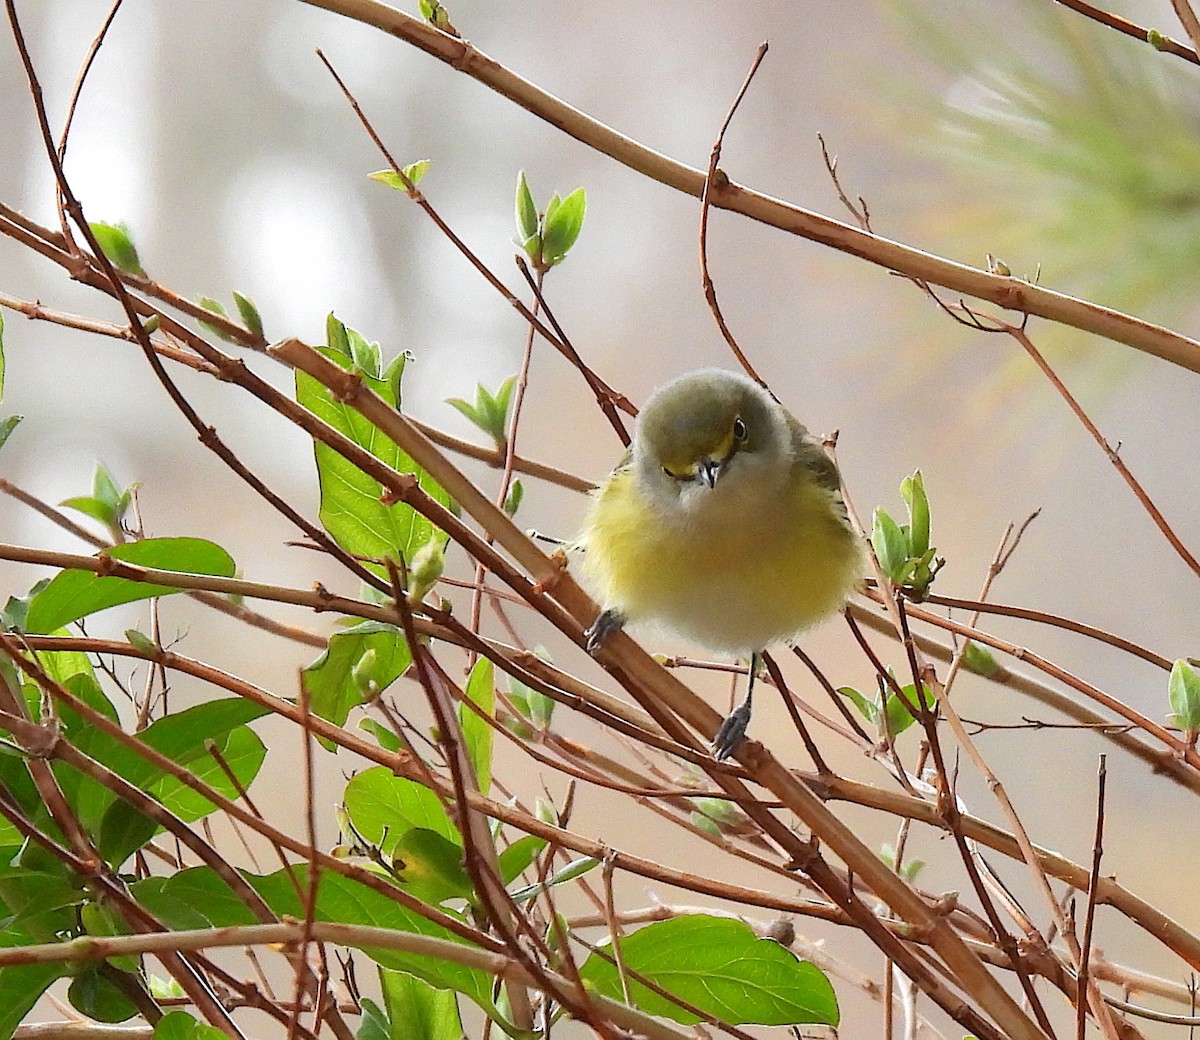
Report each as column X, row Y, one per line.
column 809, row 455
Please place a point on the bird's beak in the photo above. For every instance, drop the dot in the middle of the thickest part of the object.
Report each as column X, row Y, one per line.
column 708, row 471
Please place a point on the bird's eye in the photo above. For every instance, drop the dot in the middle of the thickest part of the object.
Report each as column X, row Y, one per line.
column 672, row 474
column 739, row 430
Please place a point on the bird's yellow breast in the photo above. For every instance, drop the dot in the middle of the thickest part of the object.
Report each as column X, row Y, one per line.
column 739, row 571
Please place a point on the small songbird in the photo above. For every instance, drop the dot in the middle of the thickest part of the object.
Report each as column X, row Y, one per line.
column 724, row 522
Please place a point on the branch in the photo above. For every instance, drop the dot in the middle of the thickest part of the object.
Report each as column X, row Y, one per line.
column 1005, row 291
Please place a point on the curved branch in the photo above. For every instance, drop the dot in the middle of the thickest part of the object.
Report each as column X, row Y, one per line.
column 1005, row 291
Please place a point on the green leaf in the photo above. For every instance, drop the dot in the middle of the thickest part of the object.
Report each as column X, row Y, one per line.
column 516, row 494
column 141, row 642
column 331, row 680
column 980, row 660
column 104, row 487
column 352, row 509
column 119, row 828
column 374, row 1024
column 718, row 965
column 426, row 570
column 249, row 313
column 563, row 223
column 576, row 868
column 383, row 736
column 197, row 898
column 891, row 547
column 93, row 507
column 383, row 806
column 7, row 426
column 22, row 986
column 417, row 1009
column 72, row 594
column 107, row 503
column 413, row 171
column 913, row 491
column 898, row 717
column 1184, row 693
column 214, row 307
column 94, row 993
column 430, row 866
column 480, row 691
column 490, row 411
column 116, row 244
column 179, row 1025
column 515, row 859
column 527, row 214
column 867, row 708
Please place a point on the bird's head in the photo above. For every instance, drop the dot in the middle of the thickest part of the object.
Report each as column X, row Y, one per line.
column 702, row 426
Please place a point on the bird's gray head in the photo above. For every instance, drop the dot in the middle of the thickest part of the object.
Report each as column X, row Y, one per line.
column 705, row 425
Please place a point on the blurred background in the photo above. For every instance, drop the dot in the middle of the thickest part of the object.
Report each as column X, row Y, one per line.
column 1010, row 127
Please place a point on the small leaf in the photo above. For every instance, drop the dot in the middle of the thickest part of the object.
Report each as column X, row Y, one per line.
column 214, row 307
column 249, row 312
column 515, row 859
column 896, row 714
column 480, row 691
column 116, row 244
column 179, row 1025
column 426, row 569
column 980, row 660
column 93, row 507
column 527, row 214
column 512, row 501
column 533, row 704
column 868, row 709
column 7, row 426
column 374, row 1024
column 104, row 487
column 141, row 643
column 383, row 806
column 576, row 868
column 415, row 171
column 490, row 411
column 1184, row 692
column 563, row 223
column 913, row 491
column 890, row 544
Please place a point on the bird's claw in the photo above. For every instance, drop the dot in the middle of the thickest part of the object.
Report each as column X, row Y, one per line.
column 606, row 623
column 730, row 733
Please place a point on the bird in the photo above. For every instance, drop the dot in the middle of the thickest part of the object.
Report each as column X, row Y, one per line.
column 724, row 523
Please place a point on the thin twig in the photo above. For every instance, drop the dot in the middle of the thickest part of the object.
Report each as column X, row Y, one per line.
column 710, row 178
column 1121, row 25
column 1008, row 292
column 1093, row 878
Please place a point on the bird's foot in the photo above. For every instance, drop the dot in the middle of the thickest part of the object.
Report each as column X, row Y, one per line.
column 608, row 622
column 731, row 731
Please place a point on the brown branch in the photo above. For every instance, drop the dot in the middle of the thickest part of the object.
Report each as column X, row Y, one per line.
column 710, row 177
column 1121, row 25
column 1006, row 291
column 1189, row 21
column 1113, row 455
column 1093, row 878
